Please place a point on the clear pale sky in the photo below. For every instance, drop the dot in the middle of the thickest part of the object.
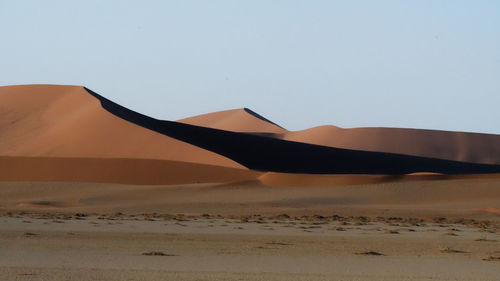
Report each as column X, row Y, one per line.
column 419, row 64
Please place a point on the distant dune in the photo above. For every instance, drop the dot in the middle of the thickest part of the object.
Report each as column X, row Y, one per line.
column 65, row 121
column 457, row 146
column 236, row 120
column 449, row 145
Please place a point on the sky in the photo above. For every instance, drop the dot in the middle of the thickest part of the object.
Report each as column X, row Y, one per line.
column 413, row 64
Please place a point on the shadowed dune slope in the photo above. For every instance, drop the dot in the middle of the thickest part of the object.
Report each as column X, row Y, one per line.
column 65, row 121
column 112, row 170
column 270, row 154
column 236, row 120
column 457, row 146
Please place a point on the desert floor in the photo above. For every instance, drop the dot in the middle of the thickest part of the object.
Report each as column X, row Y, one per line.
column 417, row 230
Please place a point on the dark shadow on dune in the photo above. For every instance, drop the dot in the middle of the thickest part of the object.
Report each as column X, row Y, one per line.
column 264, row 134
column 269, row 154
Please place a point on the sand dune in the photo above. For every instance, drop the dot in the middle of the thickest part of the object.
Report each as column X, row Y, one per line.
column 457, row 146
column 264, row 153
column 236, row 120
column 65, row 121
column 113, row 170
column 70, row 121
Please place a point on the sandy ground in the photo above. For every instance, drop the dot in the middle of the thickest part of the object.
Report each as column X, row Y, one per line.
column 453, row 199
column 124, row 247
column 423, row 230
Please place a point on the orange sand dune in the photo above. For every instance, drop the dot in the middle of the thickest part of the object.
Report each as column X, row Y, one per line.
column 236, row 120
column 66, row 121
column 458, row 146
column 113, row 170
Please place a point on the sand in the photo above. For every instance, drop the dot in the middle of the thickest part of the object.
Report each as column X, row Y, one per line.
column 120, row 247
column 400, row 230
column 66, row 121
column 86, row 195
column 264, row 153
column 236, row 120
column 70, row 122
column 457, row 146
column 117, row 170
column 451, row 199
